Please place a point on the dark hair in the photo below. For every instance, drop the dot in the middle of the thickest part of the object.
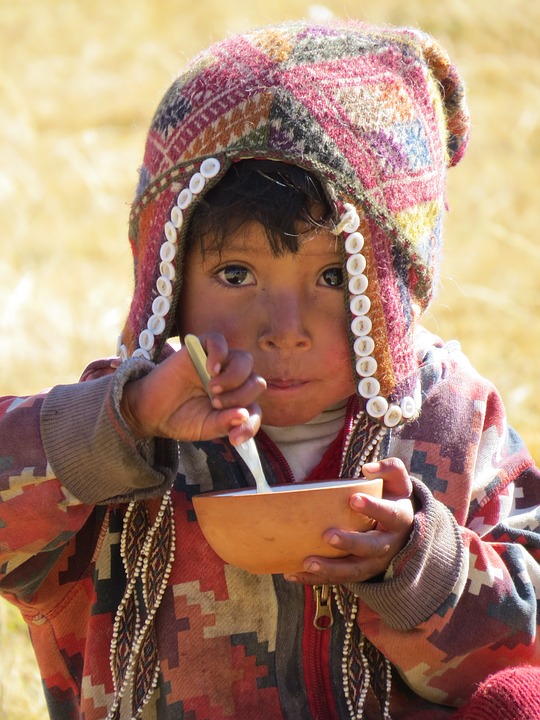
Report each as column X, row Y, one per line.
column 285, row 199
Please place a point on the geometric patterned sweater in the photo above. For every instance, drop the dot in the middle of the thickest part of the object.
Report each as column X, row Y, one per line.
column 457, row 603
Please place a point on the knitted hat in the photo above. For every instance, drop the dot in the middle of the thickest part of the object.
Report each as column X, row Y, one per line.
column 377, row 114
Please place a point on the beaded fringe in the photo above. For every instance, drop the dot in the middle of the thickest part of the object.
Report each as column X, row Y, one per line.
column 147, row 551
column 363, row 665
column 362, row 445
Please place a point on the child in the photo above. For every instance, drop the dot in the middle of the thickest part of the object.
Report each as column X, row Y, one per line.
column 289, row 213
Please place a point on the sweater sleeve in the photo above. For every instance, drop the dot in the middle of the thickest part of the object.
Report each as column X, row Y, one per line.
column 90, row 447
column 460, row 600
column 61, row 454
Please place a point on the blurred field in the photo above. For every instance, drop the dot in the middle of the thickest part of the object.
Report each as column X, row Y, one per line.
column 79, row 80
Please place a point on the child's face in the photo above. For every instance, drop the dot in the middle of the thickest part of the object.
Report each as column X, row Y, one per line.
column 287, row 311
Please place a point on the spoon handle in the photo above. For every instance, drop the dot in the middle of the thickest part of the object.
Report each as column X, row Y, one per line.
column 198, row 357
column 247, row 450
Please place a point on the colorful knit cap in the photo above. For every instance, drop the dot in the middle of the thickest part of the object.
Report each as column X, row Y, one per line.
column 377, row 114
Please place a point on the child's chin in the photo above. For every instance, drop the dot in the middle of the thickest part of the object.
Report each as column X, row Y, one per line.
column 288, row 417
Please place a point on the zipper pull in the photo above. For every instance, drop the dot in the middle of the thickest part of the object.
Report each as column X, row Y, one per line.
column 324, row 617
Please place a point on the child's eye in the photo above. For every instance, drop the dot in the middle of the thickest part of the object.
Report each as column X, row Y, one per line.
column 332, row 277
column 235, row 275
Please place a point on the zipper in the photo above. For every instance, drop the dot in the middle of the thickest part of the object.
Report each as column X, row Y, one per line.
column 318, row 619
column 323, row 618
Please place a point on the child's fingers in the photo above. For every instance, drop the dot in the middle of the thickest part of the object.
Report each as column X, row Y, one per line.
column 227, row 422
column 217, row 351
column 232, row 366
column 239, row 433
column 368, row 553
column 394, row 473
column 393, row 515
column 242, row 395
column 234, row 370
column 233, row 382
column 321, row 571
column 239, row 424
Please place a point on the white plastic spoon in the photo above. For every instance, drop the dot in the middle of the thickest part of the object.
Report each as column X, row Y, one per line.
column 247, row 450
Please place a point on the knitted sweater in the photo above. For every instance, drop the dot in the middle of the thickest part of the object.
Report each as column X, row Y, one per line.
column 457, row 603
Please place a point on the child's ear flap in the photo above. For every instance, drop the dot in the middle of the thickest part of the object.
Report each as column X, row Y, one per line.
column 452, row 90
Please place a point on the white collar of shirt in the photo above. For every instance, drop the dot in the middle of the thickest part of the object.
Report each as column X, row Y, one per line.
column 304, row 445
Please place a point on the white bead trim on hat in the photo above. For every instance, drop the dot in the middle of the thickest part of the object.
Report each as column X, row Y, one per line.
column 161, row 305
column 361, row 325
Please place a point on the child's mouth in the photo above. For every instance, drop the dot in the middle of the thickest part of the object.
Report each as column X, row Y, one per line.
column 284, row 384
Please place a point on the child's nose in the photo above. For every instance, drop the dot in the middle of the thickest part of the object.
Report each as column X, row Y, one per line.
column 284, row 325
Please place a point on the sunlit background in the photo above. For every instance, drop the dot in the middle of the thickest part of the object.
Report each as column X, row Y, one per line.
column 79, row 81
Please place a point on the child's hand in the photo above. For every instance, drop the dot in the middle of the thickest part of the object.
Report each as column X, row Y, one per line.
column 371, row 552
column 171, row 401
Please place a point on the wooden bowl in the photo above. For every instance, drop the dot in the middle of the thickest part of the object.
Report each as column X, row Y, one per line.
column 274, row 532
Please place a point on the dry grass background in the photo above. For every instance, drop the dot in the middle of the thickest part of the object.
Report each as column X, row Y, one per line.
column 79, row 80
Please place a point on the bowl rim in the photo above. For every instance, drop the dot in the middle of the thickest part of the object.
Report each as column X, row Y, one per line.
column 300, row 487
